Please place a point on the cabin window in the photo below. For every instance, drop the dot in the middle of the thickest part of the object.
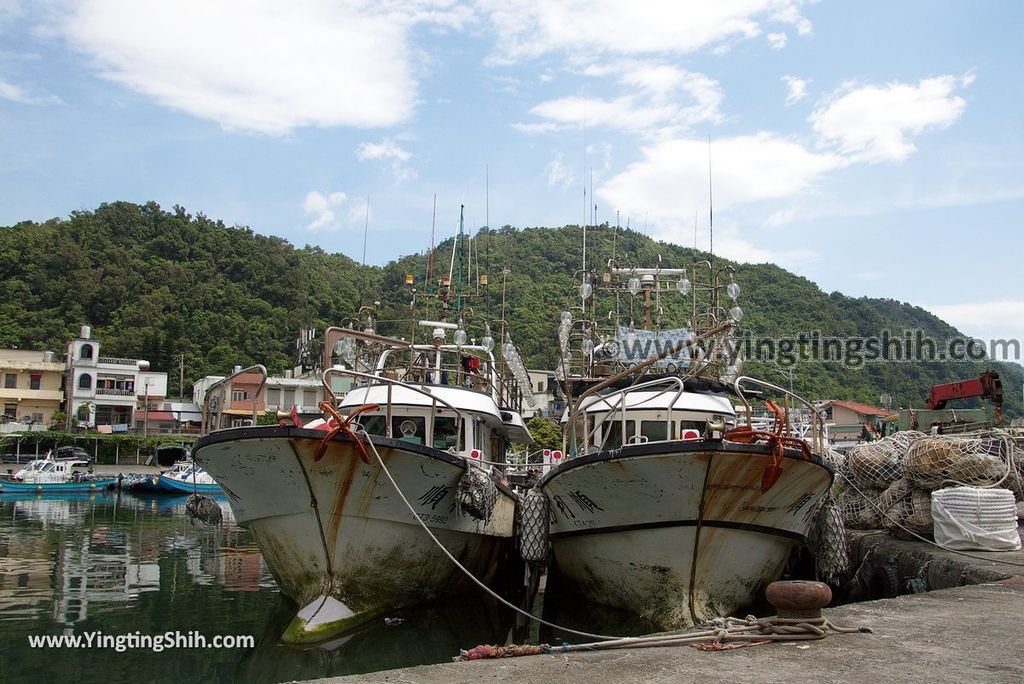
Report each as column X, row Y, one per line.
column 86, row 352
column 85, row 381
column 446, row 432
column 654, row 430
column 614, row 437
column 410, row 429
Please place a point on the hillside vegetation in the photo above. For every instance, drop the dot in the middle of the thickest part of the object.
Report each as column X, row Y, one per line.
column 159, row 284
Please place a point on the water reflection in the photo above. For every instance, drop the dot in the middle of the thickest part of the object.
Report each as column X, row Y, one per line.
column 121, row 563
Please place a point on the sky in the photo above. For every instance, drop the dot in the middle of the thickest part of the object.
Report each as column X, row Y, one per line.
column 873, row 147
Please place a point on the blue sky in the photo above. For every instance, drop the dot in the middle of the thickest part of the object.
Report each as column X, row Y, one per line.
column 873, row 147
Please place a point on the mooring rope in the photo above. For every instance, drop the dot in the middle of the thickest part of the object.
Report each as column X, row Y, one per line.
column 460, row 566
column 750, row 631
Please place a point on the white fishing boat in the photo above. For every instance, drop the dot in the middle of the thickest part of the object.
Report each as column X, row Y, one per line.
column 341, row 539
column 669, row 504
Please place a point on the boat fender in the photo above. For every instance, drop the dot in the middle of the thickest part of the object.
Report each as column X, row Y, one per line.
column 203, row 509
column 532, row 523
column 476, row 493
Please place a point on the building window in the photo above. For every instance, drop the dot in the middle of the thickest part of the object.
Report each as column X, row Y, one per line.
column 86, row 352
column 35, row 381
column 11, row 411
column 85, row 381
column 540, row 386
column 37, row 417
column 239, row 395
column 10, row 381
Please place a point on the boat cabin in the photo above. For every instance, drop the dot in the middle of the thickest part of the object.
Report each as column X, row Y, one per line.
column 446, row 397
column 634, row 416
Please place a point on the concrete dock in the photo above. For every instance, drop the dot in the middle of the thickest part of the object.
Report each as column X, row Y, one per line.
column 963, row 634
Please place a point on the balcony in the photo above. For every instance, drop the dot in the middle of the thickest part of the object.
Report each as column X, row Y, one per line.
column 115, row 361
column 115, row 392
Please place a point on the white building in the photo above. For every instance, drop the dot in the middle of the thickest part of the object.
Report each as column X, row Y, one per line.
column 105, row 392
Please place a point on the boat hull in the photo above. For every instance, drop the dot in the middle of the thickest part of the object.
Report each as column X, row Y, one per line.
column 168, row 485
column 679, row 532
column 336, row 528
column 12, row 487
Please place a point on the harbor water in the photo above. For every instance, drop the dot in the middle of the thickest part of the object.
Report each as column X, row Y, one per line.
column 113, row 565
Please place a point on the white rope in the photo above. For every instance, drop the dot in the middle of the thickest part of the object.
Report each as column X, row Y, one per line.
column 459, row 565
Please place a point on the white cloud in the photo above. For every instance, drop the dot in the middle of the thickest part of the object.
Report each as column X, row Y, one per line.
column 670, row 185
column 323, row 209
column 267, row 67
column 996, row 320
column 796, row 89
column 777, row 40
column 14, row 93
column 559, row 174
column 388, row 151
column 529, row 28
column 672, row 178
column 872, row 123
column 662, row 96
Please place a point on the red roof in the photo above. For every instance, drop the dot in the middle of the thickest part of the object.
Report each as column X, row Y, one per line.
column 862, row 409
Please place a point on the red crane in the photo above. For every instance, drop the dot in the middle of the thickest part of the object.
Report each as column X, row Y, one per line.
column 985, row 385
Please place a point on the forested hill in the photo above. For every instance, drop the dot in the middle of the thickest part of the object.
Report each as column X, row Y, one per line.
column 158, row 284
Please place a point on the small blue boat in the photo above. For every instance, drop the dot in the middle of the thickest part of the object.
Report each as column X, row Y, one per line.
column 96, row 485
column 188, row 480
column 56, row 476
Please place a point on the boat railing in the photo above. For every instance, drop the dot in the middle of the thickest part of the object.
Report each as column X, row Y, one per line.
column 215, row 401
column 671, row 383
column 817, row 431
column 373, row 379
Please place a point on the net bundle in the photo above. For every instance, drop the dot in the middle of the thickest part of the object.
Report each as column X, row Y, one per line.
column 476, row 493
column 893, row 479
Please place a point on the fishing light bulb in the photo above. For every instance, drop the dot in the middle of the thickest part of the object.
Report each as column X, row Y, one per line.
column 733, row 290
column 369, row 326
column 684, row 285
column 586, row 289
column 587, row 346
column 488, row 341
column 508, row 349
column 460, row 336
column 566, row 317
column 736, row 313
column 633, row 285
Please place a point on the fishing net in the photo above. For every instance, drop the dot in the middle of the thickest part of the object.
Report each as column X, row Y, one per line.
column 476, row 493
column 986, row 460
column 204, row 509
column 827, row 541
column 532, row 522
column 906, row 509
column 860, row 510
column 877, row 465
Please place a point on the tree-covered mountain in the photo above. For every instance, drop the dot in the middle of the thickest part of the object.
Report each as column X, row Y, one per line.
column 159, row 284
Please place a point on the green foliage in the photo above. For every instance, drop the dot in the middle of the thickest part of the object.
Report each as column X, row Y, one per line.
column 166, row 285
column 545, row 432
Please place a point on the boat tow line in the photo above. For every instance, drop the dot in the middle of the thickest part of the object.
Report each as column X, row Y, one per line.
column 339, row 423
